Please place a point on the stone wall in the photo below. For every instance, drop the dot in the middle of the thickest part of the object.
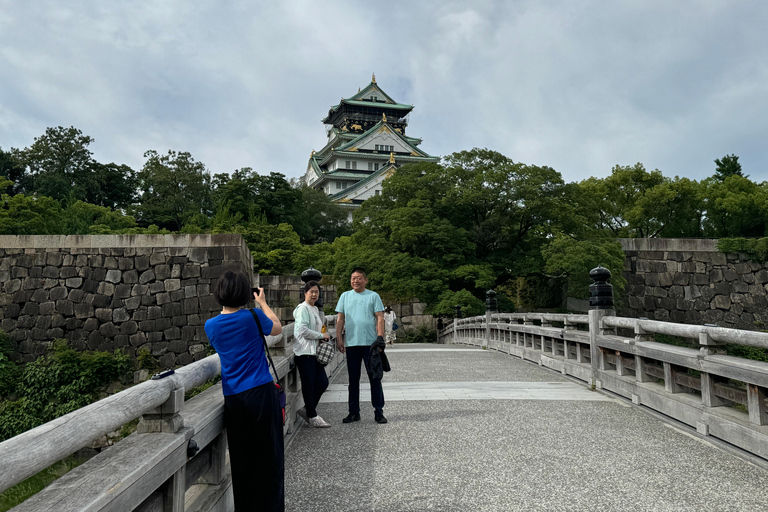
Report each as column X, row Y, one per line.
column 102, row 292
column 690, row 281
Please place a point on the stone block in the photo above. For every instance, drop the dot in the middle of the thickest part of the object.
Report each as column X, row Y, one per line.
column 19, row 272
column 129, row 327
column 54, row 259
column 137, row 339
column 175, row 271
column 132, row 303
column 110, row 263
column 176, row 295
column 141, row 263
column 167, row 360
column 190, row 270
column 51, row 283
column 40, row 295
column 162, row 298
column 83, row 311
column 98, row 274
column 211, row 272
column 121, row 340
column 43, row 322
column 130, row 277
column 101, row 301
column 46, row 308
column 50, row 272
column 154, row 336
column 172, row 309
column 122, row 291
column 157, row 258
column 157, row 287
column 154, row 312
column 125, row 263
column 177, row 346
column 140, row 314
column 139, row 289
column 95, row 338
column 65, row 307
column 67, row 272
column 74, row 282
column 114, row 276
column 106, row 288
column 12, row 286
column 172, row 285
column 120, row 315
column 103, row 314
column 31, row 308
column 180, row 320
column 91, row 324
column 191, row 306
column 184, row 359
column 90, row 286
column 721, row 302
column 159, row 348
column 209, row 304
column 147, row 276
column 36, row 272
column 32, row 283
column 162, row 272
column 162, row 324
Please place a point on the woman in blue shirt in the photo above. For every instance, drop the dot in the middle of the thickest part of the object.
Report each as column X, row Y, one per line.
column 252, row 413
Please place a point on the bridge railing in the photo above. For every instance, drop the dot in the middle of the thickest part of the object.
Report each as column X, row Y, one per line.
column 177, row 444
column 718, row 394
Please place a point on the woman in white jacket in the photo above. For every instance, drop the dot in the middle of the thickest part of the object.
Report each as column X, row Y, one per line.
column 307, row 330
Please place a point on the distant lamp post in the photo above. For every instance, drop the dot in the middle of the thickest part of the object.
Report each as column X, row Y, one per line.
column 491, row 303
column 601, row 291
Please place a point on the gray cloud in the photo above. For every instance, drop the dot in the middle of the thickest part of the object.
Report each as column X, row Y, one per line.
column 579, row 86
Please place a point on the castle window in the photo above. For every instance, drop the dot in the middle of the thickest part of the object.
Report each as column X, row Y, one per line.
column 354, row 165
column 338, row 185
column 375, row 167
column 370, row 166
column 348, row 166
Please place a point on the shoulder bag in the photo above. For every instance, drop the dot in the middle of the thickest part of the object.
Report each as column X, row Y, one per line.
column 280, row 391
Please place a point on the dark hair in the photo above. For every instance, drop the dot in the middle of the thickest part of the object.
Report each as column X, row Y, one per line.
column 232, row 289
column 359, row 270
column 309, row 285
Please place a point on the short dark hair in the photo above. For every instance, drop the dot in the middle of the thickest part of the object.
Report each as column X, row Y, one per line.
column 309, row 285
column 233, row 289
column 359, row 270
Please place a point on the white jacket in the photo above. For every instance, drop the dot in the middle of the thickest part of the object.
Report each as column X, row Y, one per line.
column 306, row 329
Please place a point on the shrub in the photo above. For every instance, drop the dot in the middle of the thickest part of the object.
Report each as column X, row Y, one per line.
column 59, row 383
column 420, row 334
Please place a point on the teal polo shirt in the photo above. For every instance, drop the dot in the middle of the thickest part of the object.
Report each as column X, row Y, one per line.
column 359, row 316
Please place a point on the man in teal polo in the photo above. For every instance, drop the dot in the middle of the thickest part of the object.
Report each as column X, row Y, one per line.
column 361, row 312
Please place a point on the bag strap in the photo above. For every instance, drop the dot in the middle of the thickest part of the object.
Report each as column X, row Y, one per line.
column 266, row 347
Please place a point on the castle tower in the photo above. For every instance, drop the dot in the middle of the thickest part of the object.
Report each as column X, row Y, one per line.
column 366, row 143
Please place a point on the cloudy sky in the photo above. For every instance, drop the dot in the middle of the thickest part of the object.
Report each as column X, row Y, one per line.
column 577, row 85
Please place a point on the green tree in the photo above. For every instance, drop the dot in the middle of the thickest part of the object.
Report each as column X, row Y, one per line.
column 735, row 207
column 11, row 169
column 573, row 258
column 24, row 215
column 446, row 305
column 728, row 166
column 174, row 188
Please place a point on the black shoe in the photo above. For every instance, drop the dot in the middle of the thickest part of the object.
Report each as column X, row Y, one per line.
column 351, row 417
column 380, row 418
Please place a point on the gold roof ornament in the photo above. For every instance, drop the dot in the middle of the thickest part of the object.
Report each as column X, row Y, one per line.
column 373, row 78
column 391, row 158
column 313, row 153
column 384, row 117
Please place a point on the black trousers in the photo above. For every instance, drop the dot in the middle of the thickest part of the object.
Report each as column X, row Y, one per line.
column 355, row 357
column 314, row 382
column 254, row 423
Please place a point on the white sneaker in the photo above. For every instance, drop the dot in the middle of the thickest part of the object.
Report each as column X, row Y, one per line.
column 318, row 422
column 302, row 413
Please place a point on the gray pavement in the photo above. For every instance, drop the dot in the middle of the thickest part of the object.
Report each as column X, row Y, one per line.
column 479, row 430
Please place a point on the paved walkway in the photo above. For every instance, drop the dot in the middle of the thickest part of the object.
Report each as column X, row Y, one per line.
column 477, row 430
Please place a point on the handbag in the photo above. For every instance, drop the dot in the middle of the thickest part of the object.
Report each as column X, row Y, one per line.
column 280, row 392
column 395, row 326
column 324, row 352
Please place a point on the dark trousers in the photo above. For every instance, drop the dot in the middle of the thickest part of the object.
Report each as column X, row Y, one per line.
column 356, row 356
column 314, row 382
column 254, row 423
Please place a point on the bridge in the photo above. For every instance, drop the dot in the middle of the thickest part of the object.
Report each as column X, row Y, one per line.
column 507, row 412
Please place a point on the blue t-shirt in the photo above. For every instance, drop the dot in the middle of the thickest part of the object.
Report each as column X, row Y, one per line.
column 359, row 316
column 236, row 338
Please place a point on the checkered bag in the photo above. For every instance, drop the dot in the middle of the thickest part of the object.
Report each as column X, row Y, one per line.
column 324, row 352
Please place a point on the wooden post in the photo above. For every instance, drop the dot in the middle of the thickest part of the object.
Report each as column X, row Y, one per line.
column 600, row 305
column 755, row 401
column 619, row 364
column 173, row 494
column 670, row 382
column 218, row 470
column 708, row 396
column 165, row 418
column 640, row 373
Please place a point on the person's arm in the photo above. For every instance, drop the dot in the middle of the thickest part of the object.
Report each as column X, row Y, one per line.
column 261, row 300
column 340, row 333
column 379, row 323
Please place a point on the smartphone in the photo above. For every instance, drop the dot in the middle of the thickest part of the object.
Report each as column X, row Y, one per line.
column 255, row 290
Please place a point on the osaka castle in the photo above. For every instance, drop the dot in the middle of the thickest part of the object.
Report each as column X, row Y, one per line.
column 366, row 143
